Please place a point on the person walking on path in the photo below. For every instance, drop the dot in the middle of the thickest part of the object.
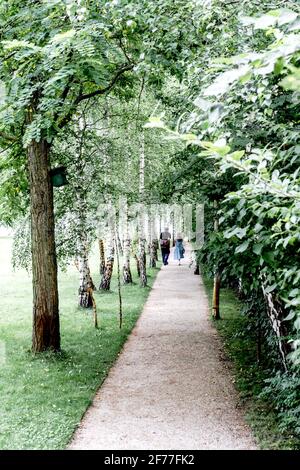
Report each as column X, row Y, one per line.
column 179, row 248
column 165, row 245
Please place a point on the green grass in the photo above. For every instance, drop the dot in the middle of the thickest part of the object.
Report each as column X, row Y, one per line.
column 240, row 347
column 44, row 396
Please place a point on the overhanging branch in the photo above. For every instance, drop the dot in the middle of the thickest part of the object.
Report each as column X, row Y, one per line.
column 102, row 91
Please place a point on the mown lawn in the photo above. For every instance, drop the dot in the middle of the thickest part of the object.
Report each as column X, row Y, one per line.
column 240, row 346
column 43, row 397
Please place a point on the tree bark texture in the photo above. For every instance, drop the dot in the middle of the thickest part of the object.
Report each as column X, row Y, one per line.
column 142, row 241
column 107, row 275
column 153, row 255
column 155, row 247
column 102, row 256
column 142, row 259
column 127, row 276
column 46, row 331
column 151, row 241
column 138, row 268
column 86, row 284
column 276, row 315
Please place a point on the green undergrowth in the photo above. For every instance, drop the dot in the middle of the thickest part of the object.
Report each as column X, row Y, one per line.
column 44, row 396
column 240, row 347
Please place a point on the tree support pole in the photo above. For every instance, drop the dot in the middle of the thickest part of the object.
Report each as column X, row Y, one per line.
column 217, row 278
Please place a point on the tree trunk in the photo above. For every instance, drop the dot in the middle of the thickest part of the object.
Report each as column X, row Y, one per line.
column 127, row 277
column 86, row 285
column 120, row 246
column 173, row 227
column 107, row 275
column 142, row 259
column 155, row 247
column 153, row 254
column 142, row 241
column 46, row 334
column 138, row 268
column 276, row 315
column 151, row 242
column 102, row 256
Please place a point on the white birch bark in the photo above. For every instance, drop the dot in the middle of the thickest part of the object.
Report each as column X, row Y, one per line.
column 127, row 277
column 152, row 242
column 141, row 228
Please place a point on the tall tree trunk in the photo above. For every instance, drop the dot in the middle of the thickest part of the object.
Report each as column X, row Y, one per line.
column 152, row 246
column 153, row 255
column 102, row 256
column 46, row 334
column 120, row 245
column 155, row 243
column 127, row 277
column 142, row 241
column 107, row 275
column 173, row 227
column 142, row 259
column 86, row 285
column 138, row 268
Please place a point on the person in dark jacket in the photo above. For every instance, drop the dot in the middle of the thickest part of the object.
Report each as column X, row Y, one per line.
column 165, row 237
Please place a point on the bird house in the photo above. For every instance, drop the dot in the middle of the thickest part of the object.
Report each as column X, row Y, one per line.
column 58, row 176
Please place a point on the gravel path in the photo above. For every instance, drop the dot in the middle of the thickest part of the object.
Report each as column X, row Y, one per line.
column 170, row 388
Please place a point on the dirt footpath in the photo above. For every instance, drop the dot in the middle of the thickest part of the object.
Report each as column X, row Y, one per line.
column 169, row 388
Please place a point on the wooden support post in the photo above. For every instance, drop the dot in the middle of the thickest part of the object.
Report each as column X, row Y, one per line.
column 217, row 278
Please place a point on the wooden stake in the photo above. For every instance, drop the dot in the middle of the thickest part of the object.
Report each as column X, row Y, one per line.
column 217, row 278
column 119, row 284
column 90, row 291
column 216, row 297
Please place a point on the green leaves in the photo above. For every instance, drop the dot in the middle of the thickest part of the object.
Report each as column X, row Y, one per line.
column 278, row 17
column 15, row 44
column 223, row 82
column 155, row 123
column 243, row 247
column 292, row 81
column 236, row 231
column 218, row 148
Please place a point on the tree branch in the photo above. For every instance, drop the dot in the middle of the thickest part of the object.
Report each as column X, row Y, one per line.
column 124, row 50
column 101, row 91
column 9, row 138
column 63, row 97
